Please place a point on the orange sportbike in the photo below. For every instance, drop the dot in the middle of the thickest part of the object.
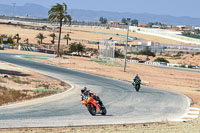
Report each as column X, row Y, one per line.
column 93, row 106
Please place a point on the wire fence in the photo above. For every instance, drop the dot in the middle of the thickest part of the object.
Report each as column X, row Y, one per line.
column 106, row 49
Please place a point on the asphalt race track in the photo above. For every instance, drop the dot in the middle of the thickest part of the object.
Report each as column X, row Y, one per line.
column 123, row 103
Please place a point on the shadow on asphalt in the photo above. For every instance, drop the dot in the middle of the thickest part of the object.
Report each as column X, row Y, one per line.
column 103, row 115
column 143, row 91
column 10, row 72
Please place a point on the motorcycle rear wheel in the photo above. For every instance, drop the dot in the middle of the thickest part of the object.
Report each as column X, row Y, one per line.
column 104, row 111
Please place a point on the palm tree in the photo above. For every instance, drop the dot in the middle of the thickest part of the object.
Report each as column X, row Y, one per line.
column 26, row 41
column 58, row 14
column 41, row 37
column 17, row 37
column 67, row 38
column 53, row 35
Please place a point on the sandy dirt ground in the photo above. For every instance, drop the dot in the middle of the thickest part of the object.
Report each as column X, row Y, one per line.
column 31, row 34
column 186, row 59
column 26, row 82
column 165, row 127
column 78, row 33
column 124, row 32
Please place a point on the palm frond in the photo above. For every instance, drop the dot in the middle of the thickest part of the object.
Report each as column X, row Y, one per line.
column 58, row 13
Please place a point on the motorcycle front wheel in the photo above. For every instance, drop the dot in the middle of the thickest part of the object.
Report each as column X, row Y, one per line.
column 137, row 87
column 91, row 109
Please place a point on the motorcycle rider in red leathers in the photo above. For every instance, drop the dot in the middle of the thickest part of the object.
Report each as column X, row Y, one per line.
column 85, row 93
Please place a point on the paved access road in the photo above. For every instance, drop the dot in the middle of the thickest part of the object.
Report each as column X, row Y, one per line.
column 123, row 103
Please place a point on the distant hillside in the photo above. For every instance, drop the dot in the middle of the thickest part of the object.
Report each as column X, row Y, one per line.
column 34, row 10
column 143, row 18
column 30, row 10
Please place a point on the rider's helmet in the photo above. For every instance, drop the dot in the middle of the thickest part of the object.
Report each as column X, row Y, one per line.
column 84, row 89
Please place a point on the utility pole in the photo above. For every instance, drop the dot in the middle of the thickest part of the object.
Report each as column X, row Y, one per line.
column 14, row 9
column 126, row 49
column 128, row 20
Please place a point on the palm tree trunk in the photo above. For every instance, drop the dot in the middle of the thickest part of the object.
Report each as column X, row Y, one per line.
column 58, row 51
column 67, row 42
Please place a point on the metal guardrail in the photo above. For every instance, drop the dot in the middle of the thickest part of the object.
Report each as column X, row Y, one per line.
column 172, row 65
column 33, row 49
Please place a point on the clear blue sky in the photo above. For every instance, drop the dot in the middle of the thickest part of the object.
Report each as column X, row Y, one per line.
column 164, row 7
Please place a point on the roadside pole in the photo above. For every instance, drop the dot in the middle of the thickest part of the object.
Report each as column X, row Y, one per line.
column 126, row 49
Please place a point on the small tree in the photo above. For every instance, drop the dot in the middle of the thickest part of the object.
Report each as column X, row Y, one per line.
column 147, row 52
column 73, row 47
column 53, row 36
column 76, row 47
column 80, row 48
column 10, row 38
column 124, row 20
column 67, row 38
column 41, row 37
column 119, row 54
column 103, row 20
column 134, row 22
column 17, row 37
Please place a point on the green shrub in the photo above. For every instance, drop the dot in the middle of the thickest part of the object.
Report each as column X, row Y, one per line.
column 10, row 38
column 45, row 90
column 16, row 79
column 135, row 58
column 136, row 53
column 197, row 53
column 191, row 35
column 119, row 54
column 190, row 66
column 178, row 55
column 161, row 60
column 108, row 63
column 76, row 47
column 147, row 52
column 182, row 66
